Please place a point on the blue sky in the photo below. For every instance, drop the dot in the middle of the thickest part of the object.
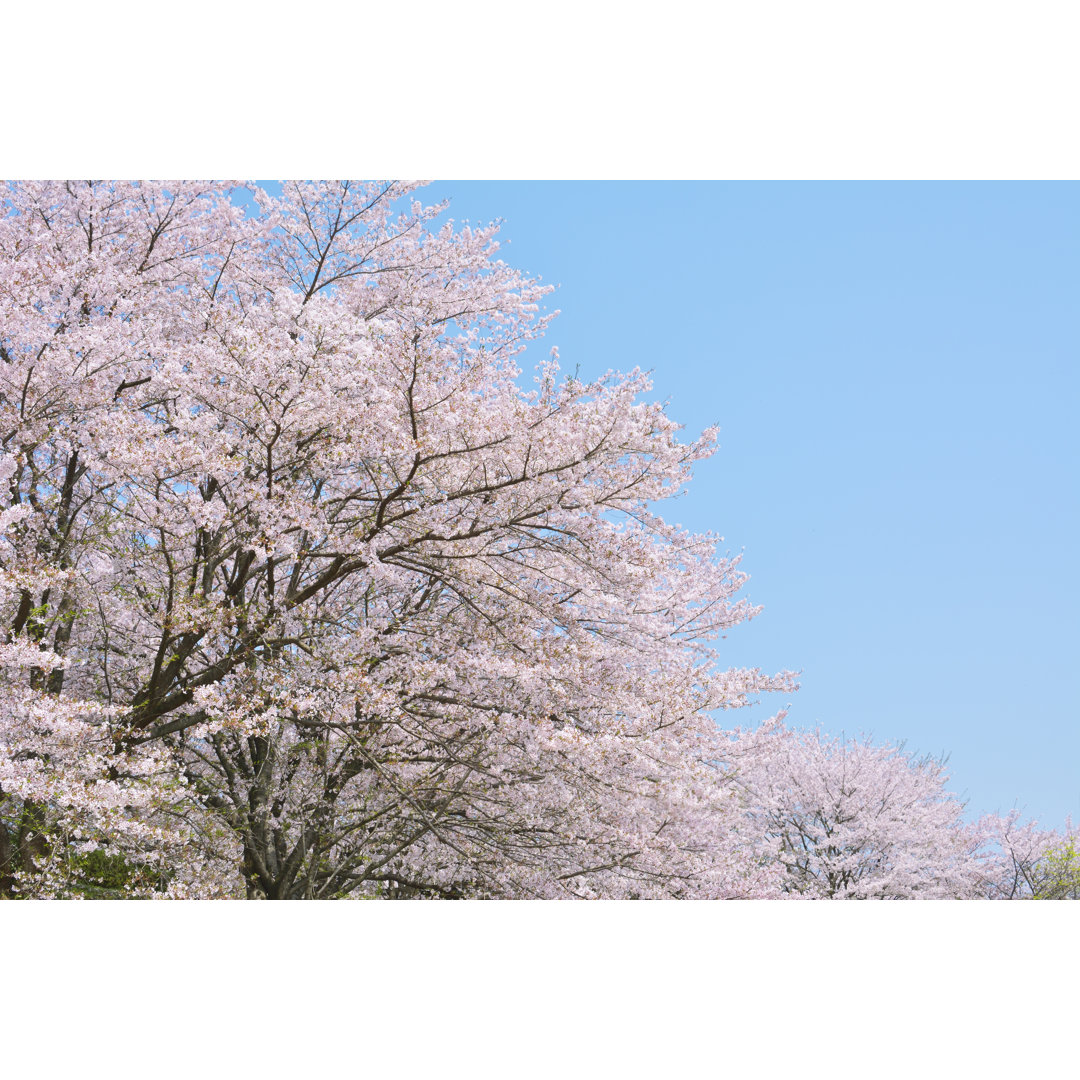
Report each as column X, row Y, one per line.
column 894, row 368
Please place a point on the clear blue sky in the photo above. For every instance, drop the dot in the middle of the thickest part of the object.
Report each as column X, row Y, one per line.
column 894, row 368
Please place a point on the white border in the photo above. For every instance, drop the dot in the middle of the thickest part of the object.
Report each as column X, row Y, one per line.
column 537, row 989
column 561, row 89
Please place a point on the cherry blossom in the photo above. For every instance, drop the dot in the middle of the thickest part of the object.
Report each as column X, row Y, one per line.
column 307, row 597
column 308, row 592
column 850, row 819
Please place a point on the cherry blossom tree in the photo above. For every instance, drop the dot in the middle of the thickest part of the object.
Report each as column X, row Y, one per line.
column 305, row 596
column 848, row 819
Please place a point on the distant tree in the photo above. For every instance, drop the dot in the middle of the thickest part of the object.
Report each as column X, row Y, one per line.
column 847, row 819
column 1058, row 872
